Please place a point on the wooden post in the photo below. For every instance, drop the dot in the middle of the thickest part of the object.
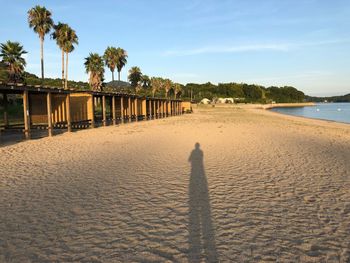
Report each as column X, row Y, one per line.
column 155, row 110
column 158, row 109
column 166, row 108
column 104, row 119
column 122, row 109
column 144, row 109
column 69, row 123
column 26, row 114
column 171, row 108
column 150, row 109
column 93, row 112
column 136, row 110
column 49, row 113
column 161, row 108
column 129, row 109
column 6, row 120
column 114, row 117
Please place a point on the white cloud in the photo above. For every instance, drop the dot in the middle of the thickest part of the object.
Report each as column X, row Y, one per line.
column 224, row 49
column 280, row 47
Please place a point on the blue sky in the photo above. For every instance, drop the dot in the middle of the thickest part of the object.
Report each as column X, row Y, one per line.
column 303, row 43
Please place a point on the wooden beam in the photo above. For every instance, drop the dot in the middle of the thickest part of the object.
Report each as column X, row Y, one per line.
column 122, row 109
column 104, row 119
column 154, row 110
column 49, row 113
column 114, row 117
column 129, row 109
column 68, row 113
column 161, row 108
column 26, row 114
column 149, row 110
column 92, row 105
column 136, row 109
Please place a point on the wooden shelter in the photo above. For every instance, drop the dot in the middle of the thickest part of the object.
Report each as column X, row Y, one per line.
column 56, row 108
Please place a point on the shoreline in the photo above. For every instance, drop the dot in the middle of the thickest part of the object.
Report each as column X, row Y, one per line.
column 289, row 105
column 320, row 122
column 267, row 108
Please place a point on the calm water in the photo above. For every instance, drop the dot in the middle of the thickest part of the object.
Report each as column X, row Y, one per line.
column 339, row 112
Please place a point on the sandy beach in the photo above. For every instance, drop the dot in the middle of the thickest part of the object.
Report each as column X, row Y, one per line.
column 258, row 187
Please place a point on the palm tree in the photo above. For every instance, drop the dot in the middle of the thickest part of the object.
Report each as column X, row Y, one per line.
column 60, row 35
column 39, row 18
column 122, row 60
column 111, row 57
column 168, row 84
column 146, row 82
column 11, row 54
column 156, row 85
column 177, row 90
column 95, row 68
column 135, row 76
column 68, row 47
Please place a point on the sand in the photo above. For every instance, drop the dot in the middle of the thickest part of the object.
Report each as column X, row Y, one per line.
column 261, row 187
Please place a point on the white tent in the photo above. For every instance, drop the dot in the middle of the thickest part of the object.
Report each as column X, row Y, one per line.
column 205, row 101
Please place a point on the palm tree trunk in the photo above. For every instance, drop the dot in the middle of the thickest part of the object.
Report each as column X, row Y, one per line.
column 66, row 80
column 42, row 56
column 112, row 75
column 63, row 83
column 118, row 75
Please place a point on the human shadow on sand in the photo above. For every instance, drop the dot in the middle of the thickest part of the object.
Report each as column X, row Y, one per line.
column 201, row 231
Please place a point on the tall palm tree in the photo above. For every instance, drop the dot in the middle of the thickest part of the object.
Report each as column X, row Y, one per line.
column 12, row 56
column 95, row 68
column 156, row 85
column 146, row 82
column 60, row 35
column 111, row 57
column 122, row 60
column 68, row 47
column 135, row 76
column 177, row 90
column 39, row 18
column 167, row 84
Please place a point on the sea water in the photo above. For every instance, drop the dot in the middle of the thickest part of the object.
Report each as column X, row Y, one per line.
column 339, row 112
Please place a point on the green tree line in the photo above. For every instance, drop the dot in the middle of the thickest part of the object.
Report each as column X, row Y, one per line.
column 344, row 98
column 242, row 92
